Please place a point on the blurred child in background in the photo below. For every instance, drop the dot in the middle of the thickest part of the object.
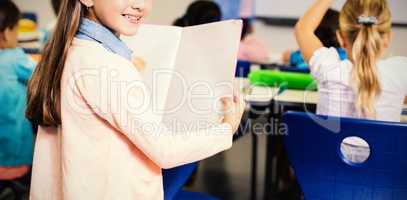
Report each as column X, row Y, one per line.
column 326, row 32
column 16, row 135
column 203, row 12
column 370, row 86
column 200, row 12
column 251, row 49
column 365, row 85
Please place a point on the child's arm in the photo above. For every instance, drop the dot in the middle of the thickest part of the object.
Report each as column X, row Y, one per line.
column 25, row 67
column 9, row 99
column 306, row 26
column 132, row 115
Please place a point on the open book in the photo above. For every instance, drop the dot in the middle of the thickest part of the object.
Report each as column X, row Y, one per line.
column 188, row 70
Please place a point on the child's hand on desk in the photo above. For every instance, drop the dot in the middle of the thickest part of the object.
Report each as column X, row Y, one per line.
column 286, row 57
column 233, row 109
column 139, row 63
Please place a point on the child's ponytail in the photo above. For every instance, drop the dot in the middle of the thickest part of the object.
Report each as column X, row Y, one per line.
column 366, row 49
column 364, row 24
column 44, row 88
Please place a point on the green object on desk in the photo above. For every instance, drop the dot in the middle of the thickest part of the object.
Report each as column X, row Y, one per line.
column 286, row 80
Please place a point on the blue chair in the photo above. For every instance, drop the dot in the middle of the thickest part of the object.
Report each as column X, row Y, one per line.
column 321, row 170
column 174, row 180
column 242, row 68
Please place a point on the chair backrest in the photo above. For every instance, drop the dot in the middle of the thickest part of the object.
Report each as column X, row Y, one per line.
column 242, row 68
column 174, row 179
column 314, row 152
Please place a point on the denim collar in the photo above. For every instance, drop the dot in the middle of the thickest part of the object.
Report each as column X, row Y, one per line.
column 90, row 30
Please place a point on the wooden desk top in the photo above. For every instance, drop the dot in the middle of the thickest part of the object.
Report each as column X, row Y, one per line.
column 298, row 96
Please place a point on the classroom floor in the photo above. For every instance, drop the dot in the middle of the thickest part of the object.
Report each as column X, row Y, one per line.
column 227, row 175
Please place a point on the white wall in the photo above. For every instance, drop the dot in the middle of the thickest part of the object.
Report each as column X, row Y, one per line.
column 166, row 11
column 295, row 8
column 41, row 7
column 279, row 39
column 286, row 8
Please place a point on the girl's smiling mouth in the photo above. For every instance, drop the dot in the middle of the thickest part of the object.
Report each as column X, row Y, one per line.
column 134, row 19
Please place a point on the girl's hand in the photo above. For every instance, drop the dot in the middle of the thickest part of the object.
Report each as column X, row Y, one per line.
column 286, row 57
column 233, row 109
column 139, row 63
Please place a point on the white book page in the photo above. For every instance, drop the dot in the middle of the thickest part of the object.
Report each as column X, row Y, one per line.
column 188, row 70
column 158, row 47
column 204, row 72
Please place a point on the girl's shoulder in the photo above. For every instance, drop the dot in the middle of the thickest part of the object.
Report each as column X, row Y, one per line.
column 394, row 63
column 91, row 57
column 328, row 58
column 90, row 53
column 393, row 73
column 397, row 59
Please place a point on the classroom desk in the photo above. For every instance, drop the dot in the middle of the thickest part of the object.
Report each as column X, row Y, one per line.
column 298, row 96
column 259, row 101
column 260, row 95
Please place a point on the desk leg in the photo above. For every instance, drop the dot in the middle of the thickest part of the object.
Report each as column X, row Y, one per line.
column 268, row 182
column 271, row 176
column 253, row 188
column 253, row 115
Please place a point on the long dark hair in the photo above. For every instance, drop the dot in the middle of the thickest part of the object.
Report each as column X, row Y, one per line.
column 247, row 27
column 56, row 4
column 200, row 12
column 44, row 88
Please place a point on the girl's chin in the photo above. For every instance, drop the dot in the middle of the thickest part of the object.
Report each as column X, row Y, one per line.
column 129, row 31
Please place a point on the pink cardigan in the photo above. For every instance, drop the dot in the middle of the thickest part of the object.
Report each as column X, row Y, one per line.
column 107, row 148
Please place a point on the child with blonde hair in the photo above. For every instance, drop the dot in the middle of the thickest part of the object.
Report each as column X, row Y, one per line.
column 366, row 85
